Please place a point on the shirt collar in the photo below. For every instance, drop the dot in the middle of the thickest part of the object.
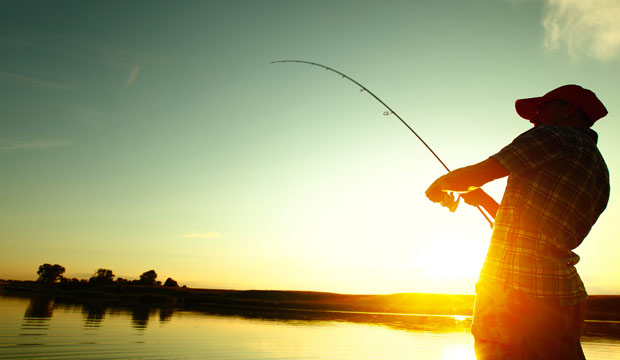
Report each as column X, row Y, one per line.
column 591, row 133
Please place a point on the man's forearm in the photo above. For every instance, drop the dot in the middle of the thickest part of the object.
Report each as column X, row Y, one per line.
column 466, row 179
column 474, row 176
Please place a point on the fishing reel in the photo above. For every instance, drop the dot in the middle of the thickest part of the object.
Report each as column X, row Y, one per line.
column 449, row 201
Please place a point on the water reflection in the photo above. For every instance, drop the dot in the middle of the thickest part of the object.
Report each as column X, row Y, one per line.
column 426, row 323
column 40, row 310
column 36, row 322
column 93, row 314
column 78, row 332
column 140, row 317
column 165, row 314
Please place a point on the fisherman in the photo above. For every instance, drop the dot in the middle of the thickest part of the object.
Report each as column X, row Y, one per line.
column 530, row 301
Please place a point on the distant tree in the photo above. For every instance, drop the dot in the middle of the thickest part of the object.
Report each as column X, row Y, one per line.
column 122, row 281
column 102, row 276
column 50, row 273
column 148, row 277
column 170, row 283
column 72, row 283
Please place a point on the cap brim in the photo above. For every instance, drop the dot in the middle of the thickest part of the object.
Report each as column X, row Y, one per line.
column 527, row 108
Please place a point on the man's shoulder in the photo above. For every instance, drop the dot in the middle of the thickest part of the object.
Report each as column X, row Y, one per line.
column 546, row 135
column 557, row 133
column 541, row 132
column 561, row 131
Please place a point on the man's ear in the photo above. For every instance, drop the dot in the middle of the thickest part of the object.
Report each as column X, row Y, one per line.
column 569, row 109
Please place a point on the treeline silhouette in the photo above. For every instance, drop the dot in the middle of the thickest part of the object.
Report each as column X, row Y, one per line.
column 53, row 274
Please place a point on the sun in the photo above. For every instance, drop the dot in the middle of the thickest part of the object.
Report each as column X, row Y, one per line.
column 448, row 258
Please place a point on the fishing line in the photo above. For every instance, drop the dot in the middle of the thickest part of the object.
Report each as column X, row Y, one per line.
column 450, row 204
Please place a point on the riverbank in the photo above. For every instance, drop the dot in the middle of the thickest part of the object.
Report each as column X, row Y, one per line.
column 600, row 307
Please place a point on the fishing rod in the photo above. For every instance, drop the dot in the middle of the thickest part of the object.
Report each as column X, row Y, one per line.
column 449, row 202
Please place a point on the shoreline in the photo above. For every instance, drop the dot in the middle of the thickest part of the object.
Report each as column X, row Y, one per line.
column 599, row 307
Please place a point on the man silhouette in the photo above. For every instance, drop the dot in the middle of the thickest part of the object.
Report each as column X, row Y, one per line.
column 530, row 301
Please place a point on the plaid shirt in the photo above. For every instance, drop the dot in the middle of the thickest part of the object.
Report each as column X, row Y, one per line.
column 557, row 188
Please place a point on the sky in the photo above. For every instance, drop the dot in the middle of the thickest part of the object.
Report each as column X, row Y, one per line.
column 158, row 135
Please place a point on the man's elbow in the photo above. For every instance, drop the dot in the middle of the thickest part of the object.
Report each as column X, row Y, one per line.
column 491, row 169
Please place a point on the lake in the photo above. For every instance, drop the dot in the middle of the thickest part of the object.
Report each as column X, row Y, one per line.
column 41, row 328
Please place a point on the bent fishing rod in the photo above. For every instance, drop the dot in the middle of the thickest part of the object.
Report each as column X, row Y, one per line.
column 450, row 205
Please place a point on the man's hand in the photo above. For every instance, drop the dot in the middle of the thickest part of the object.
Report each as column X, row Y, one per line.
column 454, row 181
column 475, row 198
column 435, row 192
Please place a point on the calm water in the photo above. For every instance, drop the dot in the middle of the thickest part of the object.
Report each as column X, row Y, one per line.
column 32, row 328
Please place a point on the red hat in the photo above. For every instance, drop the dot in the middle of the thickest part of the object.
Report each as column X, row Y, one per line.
column 584, row 99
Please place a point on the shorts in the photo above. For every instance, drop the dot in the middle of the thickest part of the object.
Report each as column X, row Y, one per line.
column 510, row 325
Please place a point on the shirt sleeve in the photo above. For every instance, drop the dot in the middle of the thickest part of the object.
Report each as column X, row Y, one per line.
column 531, row 150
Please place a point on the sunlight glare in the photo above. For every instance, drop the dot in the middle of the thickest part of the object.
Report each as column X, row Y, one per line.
column 458, row 353
column 449, row 258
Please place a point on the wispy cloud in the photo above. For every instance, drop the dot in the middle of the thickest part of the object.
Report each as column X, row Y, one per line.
column 133, row 76
column 89, row 53
column 7, row 145
column 583, row 28
column 34, row 80
column 206, row 235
